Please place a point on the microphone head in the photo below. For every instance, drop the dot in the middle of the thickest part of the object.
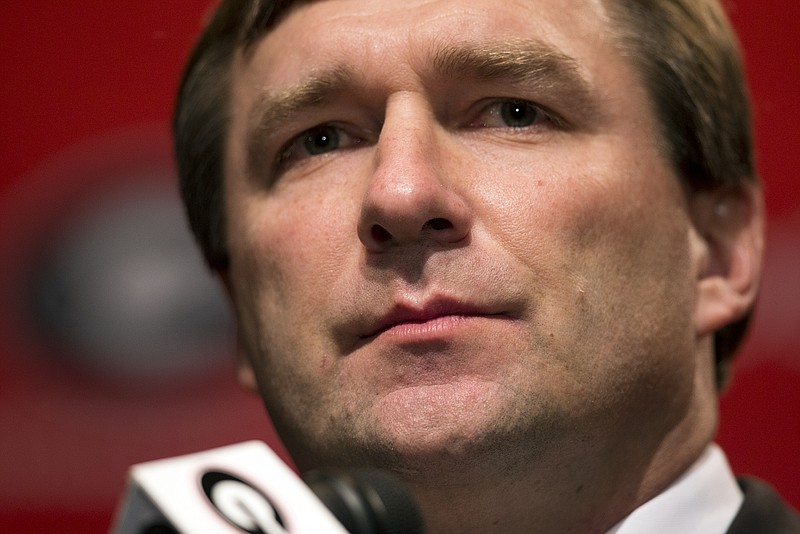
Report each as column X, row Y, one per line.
column 367, row 501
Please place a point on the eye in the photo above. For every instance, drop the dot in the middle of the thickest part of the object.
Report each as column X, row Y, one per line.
column 510, row 113
column 320, row 140
column 316, row 141
column 519, row 114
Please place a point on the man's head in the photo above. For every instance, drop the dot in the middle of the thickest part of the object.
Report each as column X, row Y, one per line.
column 685, row 53
column 465, row 238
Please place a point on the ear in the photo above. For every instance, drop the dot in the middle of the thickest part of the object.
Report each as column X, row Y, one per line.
column 730, row 227
column 244, row 368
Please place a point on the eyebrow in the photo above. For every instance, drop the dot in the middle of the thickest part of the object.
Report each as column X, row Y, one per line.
column 519, row 62
column 272, row 109
column 527, row 62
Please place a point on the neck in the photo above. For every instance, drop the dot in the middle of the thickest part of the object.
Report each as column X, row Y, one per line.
column 571, row 483
column 585, row 487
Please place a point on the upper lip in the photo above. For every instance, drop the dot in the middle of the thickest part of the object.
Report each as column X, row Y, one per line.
column 407, row 313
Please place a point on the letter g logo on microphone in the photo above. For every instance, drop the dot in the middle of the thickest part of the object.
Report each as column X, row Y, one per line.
column 242, row 505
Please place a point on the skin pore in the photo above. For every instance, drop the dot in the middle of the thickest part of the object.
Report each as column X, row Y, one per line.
column 457, row 252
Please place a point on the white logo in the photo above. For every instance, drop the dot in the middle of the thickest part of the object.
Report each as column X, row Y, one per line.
column 242, row 505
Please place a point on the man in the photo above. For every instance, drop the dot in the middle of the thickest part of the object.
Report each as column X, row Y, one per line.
column 502, row 249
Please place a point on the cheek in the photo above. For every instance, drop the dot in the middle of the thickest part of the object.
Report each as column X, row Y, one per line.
column 285, row 257
column 296, row 247
column 606, row 249
column 289, row 251
column 563, row 209
column 633, row 286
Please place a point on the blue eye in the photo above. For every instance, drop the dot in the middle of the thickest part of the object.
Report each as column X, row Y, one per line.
column 519, row 113
column 511, row 113
column 320, row 140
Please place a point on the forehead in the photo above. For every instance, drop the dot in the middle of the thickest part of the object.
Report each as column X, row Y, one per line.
column 376, row 34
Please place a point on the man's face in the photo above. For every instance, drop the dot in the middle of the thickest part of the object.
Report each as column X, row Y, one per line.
column 452, row 233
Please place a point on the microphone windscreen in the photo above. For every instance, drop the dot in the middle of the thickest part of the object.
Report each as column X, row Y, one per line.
column 367, row 501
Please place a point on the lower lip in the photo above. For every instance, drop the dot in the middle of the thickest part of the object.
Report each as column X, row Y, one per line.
column 437, row 329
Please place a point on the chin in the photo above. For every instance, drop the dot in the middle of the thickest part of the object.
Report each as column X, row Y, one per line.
column 434, row 426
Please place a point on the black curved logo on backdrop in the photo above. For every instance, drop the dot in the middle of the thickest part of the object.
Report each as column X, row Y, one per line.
column 241, row 504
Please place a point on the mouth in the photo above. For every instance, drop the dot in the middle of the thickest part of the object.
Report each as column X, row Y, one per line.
column 432, row 320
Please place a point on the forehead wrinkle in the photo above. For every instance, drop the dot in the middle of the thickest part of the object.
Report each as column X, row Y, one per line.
column 271, row 109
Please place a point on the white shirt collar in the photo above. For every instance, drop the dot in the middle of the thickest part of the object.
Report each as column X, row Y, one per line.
column 704, row 500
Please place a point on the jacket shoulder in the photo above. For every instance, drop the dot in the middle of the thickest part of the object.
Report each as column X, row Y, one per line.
column 763, row 511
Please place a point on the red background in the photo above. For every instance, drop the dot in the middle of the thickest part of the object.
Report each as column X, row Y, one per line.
column 82, row 76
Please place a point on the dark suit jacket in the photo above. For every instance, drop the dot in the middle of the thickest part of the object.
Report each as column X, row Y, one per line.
column 763, row 512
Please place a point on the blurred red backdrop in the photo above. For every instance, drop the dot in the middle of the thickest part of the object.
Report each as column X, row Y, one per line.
column 87, row 98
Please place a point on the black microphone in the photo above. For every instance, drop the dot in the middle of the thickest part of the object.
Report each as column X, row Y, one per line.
column 367, row 501
column 246, row 488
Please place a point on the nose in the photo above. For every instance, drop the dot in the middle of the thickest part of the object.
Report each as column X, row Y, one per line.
column 410, row 197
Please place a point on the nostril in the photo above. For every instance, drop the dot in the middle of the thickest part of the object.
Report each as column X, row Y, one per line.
column 438, row 224
column 380, row 234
